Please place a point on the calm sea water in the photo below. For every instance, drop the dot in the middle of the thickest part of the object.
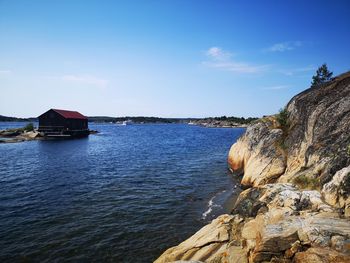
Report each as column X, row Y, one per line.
column 124, row 195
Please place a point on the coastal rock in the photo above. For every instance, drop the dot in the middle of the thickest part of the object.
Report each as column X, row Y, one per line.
column 18, row 135
column 318, row 134
column 293, row 218
column 14, row 133
column 187, row 261
column 247, row 204
column 283, row 221
column 288, row 222
column 256, row 155
column 297, row 164
column 286, row 235
column 222, row 122
column 272, row 240
column 213, row 243
column 31, row 134
column 313, row 143
column 208, row 243
column 294, row 248
column 337, row 191
column 235, row 255
column 279, row 196
column 321, row 255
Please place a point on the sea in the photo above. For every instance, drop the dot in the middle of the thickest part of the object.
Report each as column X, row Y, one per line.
column 125, row 194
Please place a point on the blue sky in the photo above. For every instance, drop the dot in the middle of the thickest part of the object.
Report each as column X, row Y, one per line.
column 166, row 58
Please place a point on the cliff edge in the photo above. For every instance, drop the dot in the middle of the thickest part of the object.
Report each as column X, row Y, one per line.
column 297, row 167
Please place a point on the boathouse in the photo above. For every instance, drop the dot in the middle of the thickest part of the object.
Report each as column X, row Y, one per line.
column 63, row 123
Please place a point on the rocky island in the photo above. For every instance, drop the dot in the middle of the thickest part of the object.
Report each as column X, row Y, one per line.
column 27, row 133
column 223, row 122
column 296, row 168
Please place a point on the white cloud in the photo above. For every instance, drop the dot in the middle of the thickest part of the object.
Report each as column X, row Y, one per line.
column 5, row 72
column 217, row 53
column 292, row 72
column 279, row 87
column 86, row 80
column 284, row 46
column 221, row 59
column 236, row 67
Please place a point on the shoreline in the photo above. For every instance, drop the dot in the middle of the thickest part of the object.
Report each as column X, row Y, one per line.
column 295, row 206
column 19, row 135
column 231, row 201
column 222, row 202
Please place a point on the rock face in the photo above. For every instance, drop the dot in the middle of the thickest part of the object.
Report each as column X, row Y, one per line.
column 18, row 135
column 208, row 243
column 255, row 154
column 312, row 144
column 297, row 209
column 320, row 255
column 286, row 222
column 337, row 191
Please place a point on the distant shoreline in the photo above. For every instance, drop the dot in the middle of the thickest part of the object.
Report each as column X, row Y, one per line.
column 209, row 122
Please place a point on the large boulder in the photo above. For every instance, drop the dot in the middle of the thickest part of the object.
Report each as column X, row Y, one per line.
column 257, row 155
column 288, row 220
column 321, row 255
column 208, row 243
column 312, row 142
column 337, row 191
column 32, row 134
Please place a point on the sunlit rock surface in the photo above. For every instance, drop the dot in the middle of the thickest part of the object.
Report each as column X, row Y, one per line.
column 298, row 206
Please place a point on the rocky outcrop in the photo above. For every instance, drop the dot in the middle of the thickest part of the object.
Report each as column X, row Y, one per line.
column 222, row 122
column 297, row 164
column 286, row 222
column 256, row 154
column 312, row 143
column 337, row 191
column 295, row 220
column 18, row 135
column 209, row 243
column 320, row 255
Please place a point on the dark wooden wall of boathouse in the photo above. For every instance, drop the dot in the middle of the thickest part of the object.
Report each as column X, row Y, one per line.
column 62, row 120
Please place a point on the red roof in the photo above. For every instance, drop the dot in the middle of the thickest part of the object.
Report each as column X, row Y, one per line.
column 70, row 114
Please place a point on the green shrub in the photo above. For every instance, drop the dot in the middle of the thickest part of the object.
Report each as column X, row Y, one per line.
column 282, row 119
column 29, row 127
column 348, row 149
column 283, row 145
column 283, row 124
column 306, row 182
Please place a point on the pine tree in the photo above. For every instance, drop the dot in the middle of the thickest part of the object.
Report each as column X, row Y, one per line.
column 322, row 75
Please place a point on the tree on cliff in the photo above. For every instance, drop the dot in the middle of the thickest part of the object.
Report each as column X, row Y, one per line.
column 322, row 76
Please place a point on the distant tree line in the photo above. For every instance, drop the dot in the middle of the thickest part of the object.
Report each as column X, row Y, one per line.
column 240, row 120
column 5, row 118
column 141, row 119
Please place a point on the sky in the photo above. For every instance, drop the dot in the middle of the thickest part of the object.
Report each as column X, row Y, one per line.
column 166, row 58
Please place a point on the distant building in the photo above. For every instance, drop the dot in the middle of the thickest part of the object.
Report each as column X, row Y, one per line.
column 63, row 123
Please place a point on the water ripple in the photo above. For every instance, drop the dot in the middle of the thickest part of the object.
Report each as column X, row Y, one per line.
column 123, row 195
